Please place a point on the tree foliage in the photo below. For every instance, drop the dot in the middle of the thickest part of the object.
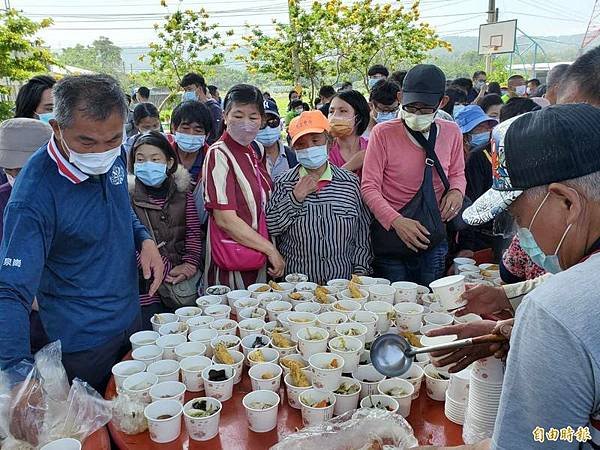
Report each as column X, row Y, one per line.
column 102, row 56
column 332, row 39
column 22, row 54
column 186, row 42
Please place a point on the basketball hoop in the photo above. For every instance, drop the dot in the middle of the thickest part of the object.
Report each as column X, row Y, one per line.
column 498, row 37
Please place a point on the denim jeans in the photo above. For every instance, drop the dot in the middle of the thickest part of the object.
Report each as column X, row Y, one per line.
column 422, row 268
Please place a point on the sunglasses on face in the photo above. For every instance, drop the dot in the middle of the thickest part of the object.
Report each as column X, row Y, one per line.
column 422, row 110
column 272, row 122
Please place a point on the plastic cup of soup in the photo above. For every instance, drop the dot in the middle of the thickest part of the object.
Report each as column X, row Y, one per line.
column 317, row 406
column 265, row 376
column 138, row 386
column 142, row 338
column 165, row 370
column 125, row 369
column 187, row 349
column 369, row 378
column 202, row 424
column 382, row 293
column 168, row 390
column 293, row 391
column 346, row 396
column 158, row 320
column 221, row 389
column 409, row 316
column 164, row 420
column 263, row 355
column 326, row 369
column 169, row 342
column 400, row 390
column 191, row 372
column 261, row 410
column 238, row 364
column 312, row 340
column 148, row 354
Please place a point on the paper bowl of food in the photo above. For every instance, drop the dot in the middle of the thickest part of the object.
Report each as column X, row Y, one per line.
column 293, row 360
column 346, row 396
column 261, row 410
column 312, row 340
column 157, row 320
column 187, row 349
column 316, row 406
column 202, row 416
column 377, row 401
column 224, row 326
column 218, row 290
column 331, row 319
column 352, row 329
column 263, row 355
column 400, row 390
column 243, row 303
column 350, row 349
column 299, row 320
column 296, row 382
column 199, row 323
column 164, row 420
column 250, row 326
column 142, row 338
column 191, row 372
column 218, row 381
column 258, row 288
column 295, row 278
column 187, row 312
column 265, row 376
column 168, row 343
column 165, row 370
column 138, row 386
column 326, row 369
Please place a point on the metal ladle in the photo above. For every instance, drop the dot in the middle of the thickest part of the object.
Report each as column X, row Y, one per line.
column 392, row 355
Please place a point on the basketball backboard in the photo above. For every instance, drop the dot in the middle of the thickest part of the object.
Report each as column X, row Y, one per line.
column 499, row 37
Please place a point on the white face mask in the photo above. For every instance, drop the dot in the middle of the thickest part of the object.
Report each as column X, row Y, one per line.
column 521, row 90
column 417, row 122
column 92, row 163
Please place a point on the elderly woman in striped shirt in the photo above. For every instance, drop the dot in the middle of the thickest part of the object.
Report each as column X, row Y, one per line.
column 316, row 213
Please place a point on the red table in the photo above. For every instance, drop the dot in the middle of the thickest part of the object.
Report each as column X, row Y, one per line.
column 97, row 441
column 427, row 419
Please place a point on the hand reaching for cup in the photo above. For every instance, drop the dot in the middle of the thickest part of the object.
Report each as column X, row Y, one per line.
column 484, row 300
column 462, row 358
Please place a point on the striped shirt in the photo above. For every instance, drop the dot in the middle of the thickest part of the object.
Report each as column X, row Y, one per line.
column 193, row 243
column 327, row 235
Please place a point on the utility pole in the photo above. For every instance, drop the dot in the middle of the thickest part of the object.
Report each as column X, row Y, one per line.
column 492, row 18
column 7, row 4
column 292, row 6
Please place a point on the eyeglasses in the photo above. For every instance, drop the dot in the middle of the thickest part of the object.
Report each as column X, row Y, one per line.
column 392, row 110
column 422, row 110
column 273, row 122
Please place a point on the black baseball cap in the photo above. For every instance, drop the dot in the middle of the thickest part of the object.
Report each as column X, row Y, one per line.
column 550, row 145
column 424, row 83
column 271, row 108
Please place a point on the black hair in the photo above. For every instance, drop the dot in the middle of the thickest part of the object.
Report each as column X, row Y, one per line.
column 398, row 76
column 515, row 77
column 195, row 79
column 246, row 94
column 346, row 85
column 30, row 95
column 494, row 88
column 360, row 106
column 212, row 89
column 144, row 92
column 555, row 74
column 378, row 69
column 516, row 106
column 534, row 81
column 266, row 93
column 490, row 100
column 292, row 92
column 128, row 98
column 479, row 72
column 584, row 71
column 317, row 101
column 306, row 106
column 96, row 97
column 190, row 112
column 454, row 96
column 156, row 139
column 295, row 104
column 327, row 91
column 541, row 90
column 385, row 92
column 144, row 110
column 463, row 83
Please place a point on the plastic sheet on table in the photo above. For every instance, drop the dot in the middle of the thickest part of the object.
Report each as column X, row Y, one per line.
column 361, row 429
column 128, row 414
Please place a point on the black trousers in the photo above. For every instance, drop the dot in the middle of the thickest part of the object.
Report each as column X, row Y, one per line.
column 94, row 365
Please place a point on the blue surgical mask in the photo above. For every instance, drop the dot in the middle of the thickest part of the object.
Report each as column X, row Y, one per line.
column 373, row 81
column 189, row 143
column 45, row 117
column 479, row 139
column 150, row 173
column 386, row 116
column 457, row 109
column 550, row 263
column 268, row 136
column 189, row 96
column 312, row 157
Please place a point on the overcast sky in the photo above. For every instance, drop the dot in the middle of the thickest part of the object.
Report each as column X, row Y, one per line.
column 128, row 23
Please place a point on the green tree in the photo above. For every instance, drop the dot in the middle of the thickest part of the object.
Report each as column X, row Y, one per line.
column 102, row 56
column 186, row 43
column 21, row 53
column 334, row 40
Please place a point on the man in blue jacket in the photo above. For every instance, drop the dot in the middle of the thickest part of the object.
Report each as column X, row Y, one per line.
column 70, row 237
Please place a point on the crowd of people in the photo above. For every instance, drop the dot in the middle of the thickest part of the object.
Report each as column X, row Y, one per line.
column 106, row 209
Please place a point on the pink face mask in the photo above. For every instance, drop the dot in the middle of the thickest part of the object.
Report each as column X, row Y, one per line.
column 243, row 131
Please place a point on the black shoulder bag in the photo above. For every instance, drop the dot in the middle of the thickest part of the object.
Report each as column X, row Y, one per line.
column 423, row 208
column 456, row 224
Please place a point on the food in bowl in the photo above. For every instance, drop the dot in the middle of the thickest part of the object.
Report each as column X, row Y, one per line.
column 296, row 278
column 316, row 404
column 412, row 338
column 350, row 332
column 289, row 363
column 260, row 405
column 222, row 354
column 217, row 290
column 340, row 308
column 281, row 341
column 396, row 392
column 379, row 405
column 341, row 345
column 333, row 364
column 268, row 375
column 299, row 378
column 258, row 342
column 347, row 389
column 217, row 375
column 354, row 290
column 257, row 356
column 202, row 408
column 275, row 286
column 316, row 336
column 321, row 294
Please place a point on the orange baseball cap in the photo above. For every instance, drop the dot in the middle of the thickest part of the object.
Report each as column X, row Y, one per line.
column 306, row 123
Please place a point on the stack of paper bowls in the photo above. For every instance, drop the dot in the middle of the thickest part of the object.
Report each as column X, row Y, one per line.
column 484, row 397
column 457, row 396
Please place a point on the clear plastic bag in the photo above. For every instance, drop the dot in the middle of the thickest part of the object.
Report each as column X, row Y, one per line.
column 37, row 405
column 128, row 414
column 361, row 429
